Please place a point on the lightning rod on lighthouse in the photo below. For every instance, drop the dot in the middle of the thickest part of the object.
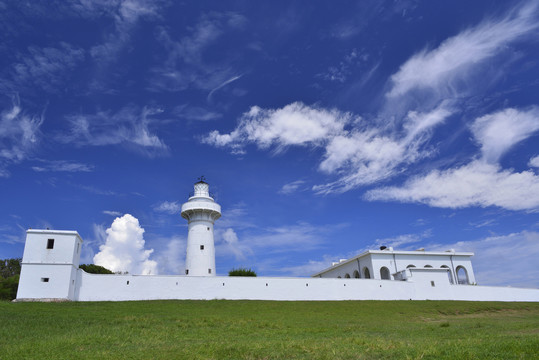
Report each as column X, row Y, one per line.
column 200, row 211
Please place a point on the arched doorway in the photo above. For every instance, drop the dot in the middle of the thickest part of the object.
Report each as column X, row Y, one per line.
column 462, row 275
column 384, row 273
column 448, row 273
column 356, row 274
column 366, row 273
column 347, row 276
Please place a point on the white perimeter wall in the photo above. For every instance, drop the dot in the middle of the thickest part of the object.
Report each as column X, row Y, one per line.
column 91, row 287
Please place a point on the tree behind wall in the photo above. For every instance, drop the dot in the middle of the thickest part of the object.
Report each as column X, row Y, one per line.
column 10, row 270
column 95, row 269
column 241, row 272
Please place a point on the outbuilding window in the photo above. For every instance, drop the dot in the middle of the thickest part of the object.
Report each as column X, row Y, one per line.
column 44, row 279
column 50, row 243
column 201, row 247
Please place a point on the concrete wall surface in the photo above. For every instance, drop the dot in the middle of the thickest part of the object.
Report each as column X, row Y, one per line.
column 92, row 287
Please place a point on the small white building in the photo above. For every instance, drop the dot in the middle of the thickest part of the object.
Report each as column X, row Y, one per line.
column 389, row 264
column 50, row 264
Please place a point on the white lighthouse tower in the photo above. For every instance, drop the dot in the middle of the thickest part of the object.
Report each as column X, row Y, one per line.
column 201, row 211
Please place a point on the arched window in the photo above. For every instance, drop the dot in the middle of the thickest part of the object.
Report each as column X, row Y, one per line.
column 366, row 273
column 462, row 275
column 448, row 273
column 347, row 276
column 428, row 266
column 410, row 266
column 339, row 277
column 384, row 273
column 356, row 274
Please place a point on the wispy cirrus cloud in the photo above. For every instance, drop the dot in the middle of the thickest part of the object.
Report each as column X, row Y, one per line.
column 129, row 126
column 19, row 133
column 168, row 207
column 112, row 213
column 62, row 166
column 185, row 64
column 441, row 68
column 48, row 69
column 291, row 187
column 126, row 14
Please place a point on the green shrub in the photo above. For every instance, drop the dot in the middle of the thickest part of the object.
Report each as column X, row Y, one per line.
column 10, row 267
column 95, row 269
column 241, row 272
column 8, row 287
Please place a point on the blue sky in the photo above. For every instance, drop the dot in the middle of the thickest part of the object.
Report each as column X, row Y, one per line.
column 324, row 129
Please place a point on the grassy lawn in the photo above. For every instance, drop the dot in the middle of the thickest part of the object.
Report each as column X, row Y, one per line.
column 269, row 330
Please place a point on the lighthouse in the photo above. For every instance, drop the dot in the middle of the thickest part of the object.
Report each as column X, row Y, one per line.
column 200, row 211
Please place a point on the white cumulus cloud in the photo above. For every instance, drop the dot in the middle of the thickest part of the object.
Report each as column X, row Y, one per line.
column 124, row 248
column 499, row 131
column 362, row 155
column 475, row 184
column 481, row 182
column 534, row 162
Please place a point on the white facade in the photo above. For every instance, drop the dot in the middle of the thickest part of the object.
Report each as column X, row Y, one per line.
column 388, row 264
column 50, row 264
column 201, row 211
column 65, row 281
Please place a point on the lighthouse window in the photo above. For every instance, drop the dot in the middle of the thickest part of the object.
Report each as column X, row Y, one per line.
column 209, row 271
column 50, row 243
column 186, row 271
column 44, row 279
column 208, row 229
column 201, row 247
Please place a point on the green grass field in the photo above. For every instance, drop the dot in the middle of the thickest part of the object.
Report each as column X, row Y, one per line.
column 269, row 330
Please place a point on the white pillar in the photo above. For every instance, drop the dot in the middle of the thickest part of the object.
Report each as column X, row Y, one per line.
column 201, row 211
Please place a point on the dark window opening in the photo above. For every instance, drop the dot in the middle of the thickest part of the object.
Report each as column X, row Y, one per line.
column 186, row 272
column 432, row 284
column 208, row 229
column 209, row 271
column 50, row 243
column 44, row 279
column 201, row 247
column 127, row 282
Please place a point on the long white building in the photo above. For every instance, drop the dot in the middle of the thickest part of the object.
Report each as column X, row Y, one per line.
column 50, row 272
